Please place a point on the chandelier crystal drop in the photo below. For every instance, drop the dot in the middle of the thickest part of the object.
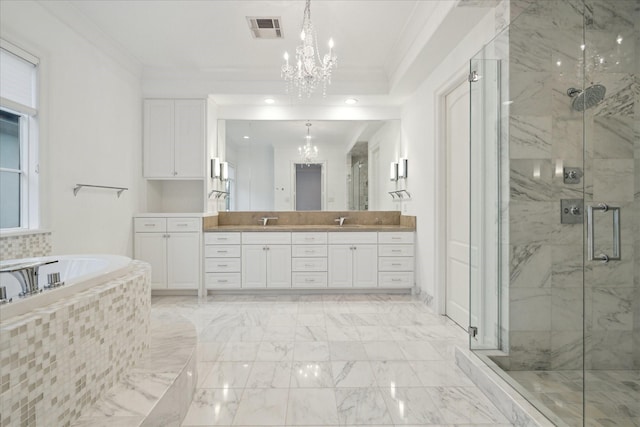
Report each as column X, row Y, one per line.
column 309, row 69
column 308, row 152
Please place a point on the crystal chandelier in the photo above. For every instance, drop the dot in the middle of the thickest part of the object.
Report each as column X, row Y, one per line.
column 308, row 152
column 309, row 70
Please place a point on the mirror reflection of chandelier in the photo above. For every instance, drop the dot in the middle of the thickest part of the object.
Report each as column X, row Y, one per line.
column 308, row 152
column 307, row 73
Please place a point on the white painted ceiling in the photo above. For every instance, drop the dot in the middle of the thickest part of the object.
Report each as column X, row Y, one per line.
column 385, row 49
column 291, row 133
column 190, row 39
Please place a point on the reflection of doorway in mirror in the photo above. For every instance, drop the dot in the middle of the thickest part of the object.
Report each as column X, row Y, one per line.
column 230, row 188
column 308, row 186
column 359, row 191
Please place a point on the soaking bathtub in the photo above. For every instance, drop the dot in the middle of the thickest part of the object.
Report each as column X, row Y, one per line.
column 78, row 272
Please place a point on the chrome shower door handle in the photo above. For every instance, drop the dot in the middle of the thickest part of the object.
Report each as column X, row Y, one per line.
column 603, row 207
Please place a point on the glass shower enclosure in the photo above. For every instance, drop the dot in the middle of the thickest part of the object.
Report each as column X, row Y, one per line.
column 555, row 208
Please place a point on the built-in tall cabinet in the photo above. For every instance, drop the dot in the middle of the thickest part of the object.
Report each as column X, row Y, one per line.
column 174, row 138
column 174, row 164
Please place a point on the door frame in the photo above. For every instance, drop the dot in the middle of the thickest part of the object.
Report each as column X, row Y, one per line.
column 440, row 223
column 323, row 182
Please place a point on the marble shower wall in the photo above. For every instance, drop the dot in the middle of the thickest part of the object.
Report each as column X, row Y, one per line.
column 546, row 290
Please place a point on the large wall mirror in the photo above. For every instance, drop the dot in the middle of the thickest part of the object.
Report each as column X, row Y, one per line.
column 268, row 169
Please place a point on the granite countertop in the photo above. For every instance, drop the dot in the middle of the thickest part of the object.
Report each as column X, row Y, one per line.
column 346, row 227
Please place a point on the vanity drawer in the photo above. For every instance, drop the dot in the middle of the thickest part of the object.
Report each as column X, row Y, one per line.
column 309, row 251
column 308, row 238
column 309, row 264
column 222, row 280
column 183, row 224
column 222, row 265
column 221, row 238
column 387, row 279
column 220, row 251
column 266, row 238
column 309, row 280
column 352, row 237
column 395, row 264
column 150, row 225
column 395, row 250
column 395, row 237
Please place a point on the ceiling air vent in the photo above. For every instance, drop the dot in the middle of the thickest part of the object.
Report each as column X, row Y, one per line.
column 265, row 27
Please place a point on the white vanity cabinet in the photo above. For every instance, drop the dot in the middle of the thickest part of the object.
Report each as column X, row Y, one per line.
column 353, row 259
column 309, row 260
column 172, row 246
column 396, row 259
column 174, row 138
column 222, row 260
column 266, row 260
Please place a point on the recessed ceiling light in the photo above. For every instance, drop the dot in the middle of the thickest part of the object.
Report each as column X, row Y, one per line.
column 269, row 100
column 246, row 137
column 351, row 101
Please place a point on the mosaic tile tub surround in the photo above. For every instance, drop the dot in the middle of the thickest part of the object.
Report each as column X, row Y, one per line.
column 25, row 245
column 60, row 359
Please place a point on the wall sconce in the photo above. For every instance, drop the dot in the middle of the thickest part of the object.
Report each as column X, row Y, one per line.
column 403, row 165
column 393, row 171
column 224, row 171
column 215, row 168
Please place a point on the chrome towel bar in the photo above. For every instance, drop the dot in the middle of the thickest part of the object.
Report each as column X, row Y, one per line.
column 79, row 186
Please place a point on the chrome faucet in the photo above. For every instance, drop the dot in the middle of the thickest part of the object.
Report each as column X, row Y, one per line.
column 340, row 220
column 27, row 275
column 265, row 220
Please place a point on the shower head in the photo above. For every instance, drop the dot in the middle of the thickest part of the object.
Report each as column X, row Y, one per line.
column 585, row 99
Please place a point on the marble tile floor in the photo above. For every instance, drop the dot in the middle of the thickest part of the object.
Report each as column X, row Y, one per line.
column 328, row 360
column 612, row 397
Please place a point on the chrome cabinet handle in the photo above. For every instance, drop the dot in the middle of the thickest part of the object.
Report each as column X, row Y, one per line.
column 591, row 240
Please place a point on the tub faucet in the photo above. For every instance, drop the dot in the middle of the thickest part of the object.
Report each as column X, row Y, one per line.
column 265, row 220
column 340, row 220
column 27, row 275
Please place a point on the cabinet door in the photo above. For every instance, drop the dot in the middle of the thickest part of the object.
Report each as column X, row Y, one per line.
column 189, row 138
column 254, row 266
column 152, row 248
column 158, row 138
column 340, row 266
column 278, row 266
column 365, row 266
column 183, row 261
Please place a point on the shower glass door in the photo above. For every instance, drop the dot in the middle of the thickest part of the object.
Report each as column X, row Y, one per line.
column 611, row 113
column 555, row 209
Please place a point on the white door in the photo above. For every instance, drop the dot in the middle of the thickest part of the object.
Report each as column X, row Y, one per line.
column 152, row 248
column 365, row 266
column 457, row 206
column 254, row 266
column 183, row 261
column 189, row 138
column 158, row 138
column 340, row 266
column 279, row 266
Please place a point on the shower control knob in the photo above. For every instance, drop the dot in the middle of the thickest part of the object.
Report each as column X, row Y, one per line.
column 572, row 174
column 575, row 210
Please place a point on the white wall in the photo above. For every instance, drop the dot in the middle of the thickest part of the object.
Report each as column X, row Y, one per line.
column 420, row 135
column 91, row 115
column 388, row 142
column 254, row 178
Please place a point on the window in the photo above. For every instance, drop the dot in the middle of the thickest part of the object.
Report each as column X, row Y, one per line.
column 18, row 145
